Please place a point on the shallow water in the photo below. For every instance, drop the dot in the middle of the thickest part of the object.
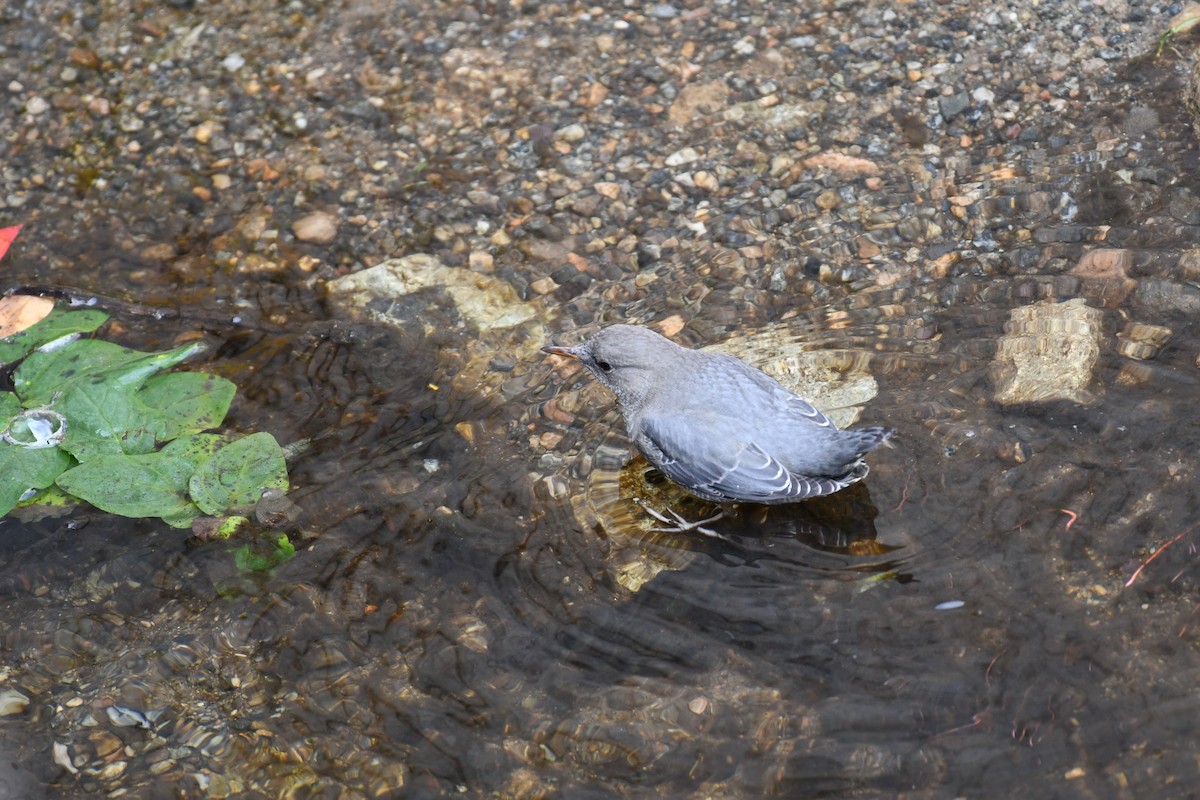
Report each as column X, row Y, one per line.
column 472, row 610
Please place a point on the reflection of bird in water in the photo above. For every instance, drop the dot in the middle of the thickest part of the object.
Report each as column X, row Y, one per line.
column 836, row 534
column 718, row 427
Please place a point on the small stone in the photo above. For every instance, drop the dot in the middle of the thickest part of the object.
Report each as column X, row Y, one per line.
column 62, row 757
column 706, row 181
column 680, row 157
column 867, row 248
column 983, row 96
column 12, row 702
column 84, row 58
column 543, row 285
column 698, row 705
column 161, row 767
column 1141, row 341
column 572, row 133
column 35, row 106
column 162, row 251
column 105, row 743
column 829, row 200
column 744, row 46
column 671, row 326
column 592, row 95
column 953, row 105
column 317, row 227
column 608, row 189
column 131, row 124
column 481, row 261
column 204, row 131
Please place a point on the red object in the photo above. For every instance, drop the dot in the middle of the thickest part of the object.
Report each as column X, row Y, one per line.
column 6, row 238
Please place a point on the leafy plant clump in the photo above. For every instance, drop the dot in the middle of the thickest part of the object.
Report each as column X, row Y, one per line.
column 105, row 424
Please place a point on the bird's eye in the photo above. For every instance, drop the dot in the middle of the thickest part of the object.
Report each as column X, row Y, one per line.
column 604, row 366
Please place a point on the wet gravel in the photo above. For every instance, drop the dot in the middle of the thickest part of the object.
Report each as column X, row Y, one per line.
column 555, row 145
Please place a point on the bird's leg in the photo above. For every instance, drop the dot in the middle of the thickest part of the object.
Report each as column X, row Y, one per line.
column 679, row 524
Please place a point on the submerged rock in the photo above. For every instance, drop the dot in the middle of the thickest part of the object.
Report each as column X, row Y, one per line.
column 317, row 227
column 484, row 302
column 1047, row 353
column 487, row 335
column 1141, row 341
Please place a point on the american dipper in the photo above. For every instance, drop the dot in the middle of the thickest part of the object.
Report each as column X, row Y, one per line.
column 717, row 426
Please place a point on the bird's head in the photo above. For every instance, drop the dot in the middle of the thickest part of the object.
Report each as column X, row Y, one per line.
column 632, row 362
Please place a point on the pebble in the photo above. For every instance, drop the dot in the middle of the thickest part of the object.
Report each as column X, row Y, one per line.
column 62, row 757
column 204, row 131
column 684, row 156
column 12, row 702
column 543, row 285
column 318, row 227
column 706, row 181
column 608, row 189
column 572, row 133
column 36, row 106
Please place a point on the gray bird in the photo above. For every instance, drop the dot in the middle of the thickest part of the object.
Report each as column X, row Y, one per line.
column 717, row 426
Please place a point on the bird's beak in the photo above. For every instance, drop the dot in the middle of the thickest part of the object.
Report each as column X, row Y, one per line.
column 555, row 350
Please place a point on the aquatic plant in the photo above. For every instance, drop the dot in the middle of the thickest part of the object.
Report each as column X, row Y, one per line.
column 109, row 425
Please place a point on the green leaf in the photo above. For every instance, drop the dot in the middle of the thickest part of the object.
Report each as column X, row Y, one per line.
column 151, row 485
column 95, row 386
column 25, row 468
column 105, row 418
column 137, row 371
column 49, row 499
column 187, row 402
column 250, row 559
column 237, row 475
column 57, row 324
column 10, row 406
column 45, row 374
column 184, row 518
column 196, row 448
column 231, row 525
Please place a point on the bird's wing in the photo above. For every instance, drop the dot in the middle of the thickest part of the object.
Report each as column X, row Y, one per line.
column 806, row 410
column 698, row 458
column 743, row 383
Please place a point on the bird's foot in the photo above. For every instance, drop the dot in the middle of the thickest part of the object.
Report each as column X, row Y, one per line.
column 680, row 525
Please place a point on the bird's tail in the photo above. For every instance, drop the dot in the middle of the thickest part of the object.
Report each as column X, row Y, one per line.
column 864, row 440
